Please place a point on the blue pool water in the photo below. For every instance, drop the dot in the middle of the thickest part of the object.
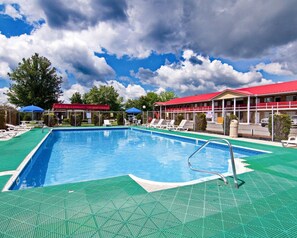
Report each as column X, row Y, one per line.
column 79, row 155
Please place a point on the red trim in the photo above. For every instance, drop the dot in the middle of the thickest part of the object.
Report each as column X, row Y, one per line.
column 77, row 106
column 269, row 89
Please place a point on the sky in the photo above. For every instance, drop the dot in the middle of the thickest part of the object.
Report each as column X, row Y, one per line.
column 138, row 46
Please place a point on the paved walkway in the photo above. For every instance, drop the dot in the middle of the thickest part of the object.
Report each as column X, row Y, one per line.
column 265, row 205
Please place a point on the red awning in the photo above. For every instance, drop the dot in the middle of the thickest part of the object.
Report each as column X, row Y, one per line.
column 76, row 106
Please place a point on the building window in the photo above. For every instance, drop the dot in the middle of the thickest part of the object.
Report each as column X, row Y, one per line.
column 277, row 99
column 268, row 99
column 291, row 98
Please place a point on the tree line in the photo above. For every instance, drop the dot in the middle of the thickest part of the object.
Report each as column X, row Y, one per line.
column 108, row 95
column 36, row 82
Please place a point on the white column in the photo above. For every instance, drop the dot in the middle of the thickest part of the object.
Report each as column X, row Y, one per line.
column 212, row 110
column 234, row 106
column 248, row 109
column 256, row 110
column 223, row 108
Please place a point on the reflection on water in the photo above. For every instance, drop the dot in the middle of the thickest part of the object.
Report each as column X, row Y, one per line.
column 72, row 156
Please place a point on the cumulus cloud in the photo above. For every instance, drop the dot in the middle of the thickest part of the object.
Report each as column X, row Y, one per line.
column 187, row 78
column 67, row 94
column 3, row 96
column 287, row 55
column 77, row 15
column 131, row 91
column 11, row 11
column 273, row 68
column 69, row 52
column 24, row 9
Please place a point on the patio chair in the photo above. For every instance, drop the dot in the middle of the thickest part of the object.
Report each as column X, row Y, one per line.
column 153, row 122
column 127, row 123
column 106, row 123
column 11, row 127
column 169, row 125
column 182, row 126
column 292, row 141
column 159, row 124
column 7, row 134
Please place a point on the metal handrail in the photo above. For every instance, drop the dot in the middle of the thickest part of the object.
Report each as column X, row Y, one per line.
column 211, row 172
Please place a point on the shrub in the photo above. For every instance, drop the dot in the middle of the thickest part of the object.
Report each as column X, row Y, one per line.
column 75, row 120
column 282, row 125
column 95, row 119
column 120, row 119
column 27, row 117
column 50, row 119
column 66, row 121
column 179, row 118
column 200, row 122
column 227, row 121
column 103, row 116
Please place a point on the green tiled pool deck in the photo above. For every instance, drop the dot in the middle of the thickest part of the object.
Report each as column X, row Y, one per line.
column 265, row 205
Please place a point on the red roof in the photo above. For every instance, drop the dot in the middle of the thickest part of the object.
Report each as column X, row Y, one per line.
column 190, row 99
column 276, row 88
column 77, row 106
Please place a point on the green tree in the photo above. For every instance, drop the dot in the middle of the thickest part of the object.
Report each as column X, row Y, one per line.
column 133, row 103
column 201, row 123
column 149, row 100
column 76, row 98
column 166, row 96
column 104, row 95
column 281, row 126
column 34, row 82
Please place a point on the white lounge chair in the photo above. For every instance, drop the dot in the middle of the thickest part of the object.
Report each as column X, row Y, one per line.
column 292, row 141
column 153, row 122
column 169, row 125
column 106, row 123
column 159, row 124
column 127, row 123
column 7, row 134
column 11, row 127
column 182, row 126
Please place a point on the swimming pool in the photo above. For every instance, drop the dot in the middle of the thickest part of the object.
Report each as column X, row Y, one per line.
column 68, row 156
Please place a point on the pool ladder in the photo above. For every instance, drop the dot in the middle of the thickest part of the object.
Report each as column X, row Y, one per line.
column 211, row 172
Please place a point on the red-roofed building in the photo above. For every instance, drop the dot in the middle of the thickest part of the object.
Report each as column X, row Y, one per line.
column 248, row 104
column 65, row 110
column 77, row 106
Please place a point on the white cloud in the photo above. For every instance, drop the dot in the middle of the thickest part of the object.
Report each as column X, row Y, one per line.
column 3, row 96
column 273, row 68
column 160, row 90
column 4, row 69
column 67, row 94
column 30, row 9
column 68, row 51
column 11, row 11
column 132, row 91
column 198, row 74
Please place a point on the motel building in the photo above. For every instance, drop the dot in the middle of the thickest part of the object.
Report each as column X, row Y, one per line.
column 86, row 110
column 250, row 105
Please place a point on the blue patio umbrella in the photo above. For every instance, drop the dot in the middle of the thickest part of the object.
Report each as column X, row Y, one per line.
column 31, row 109
column 133, row 110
